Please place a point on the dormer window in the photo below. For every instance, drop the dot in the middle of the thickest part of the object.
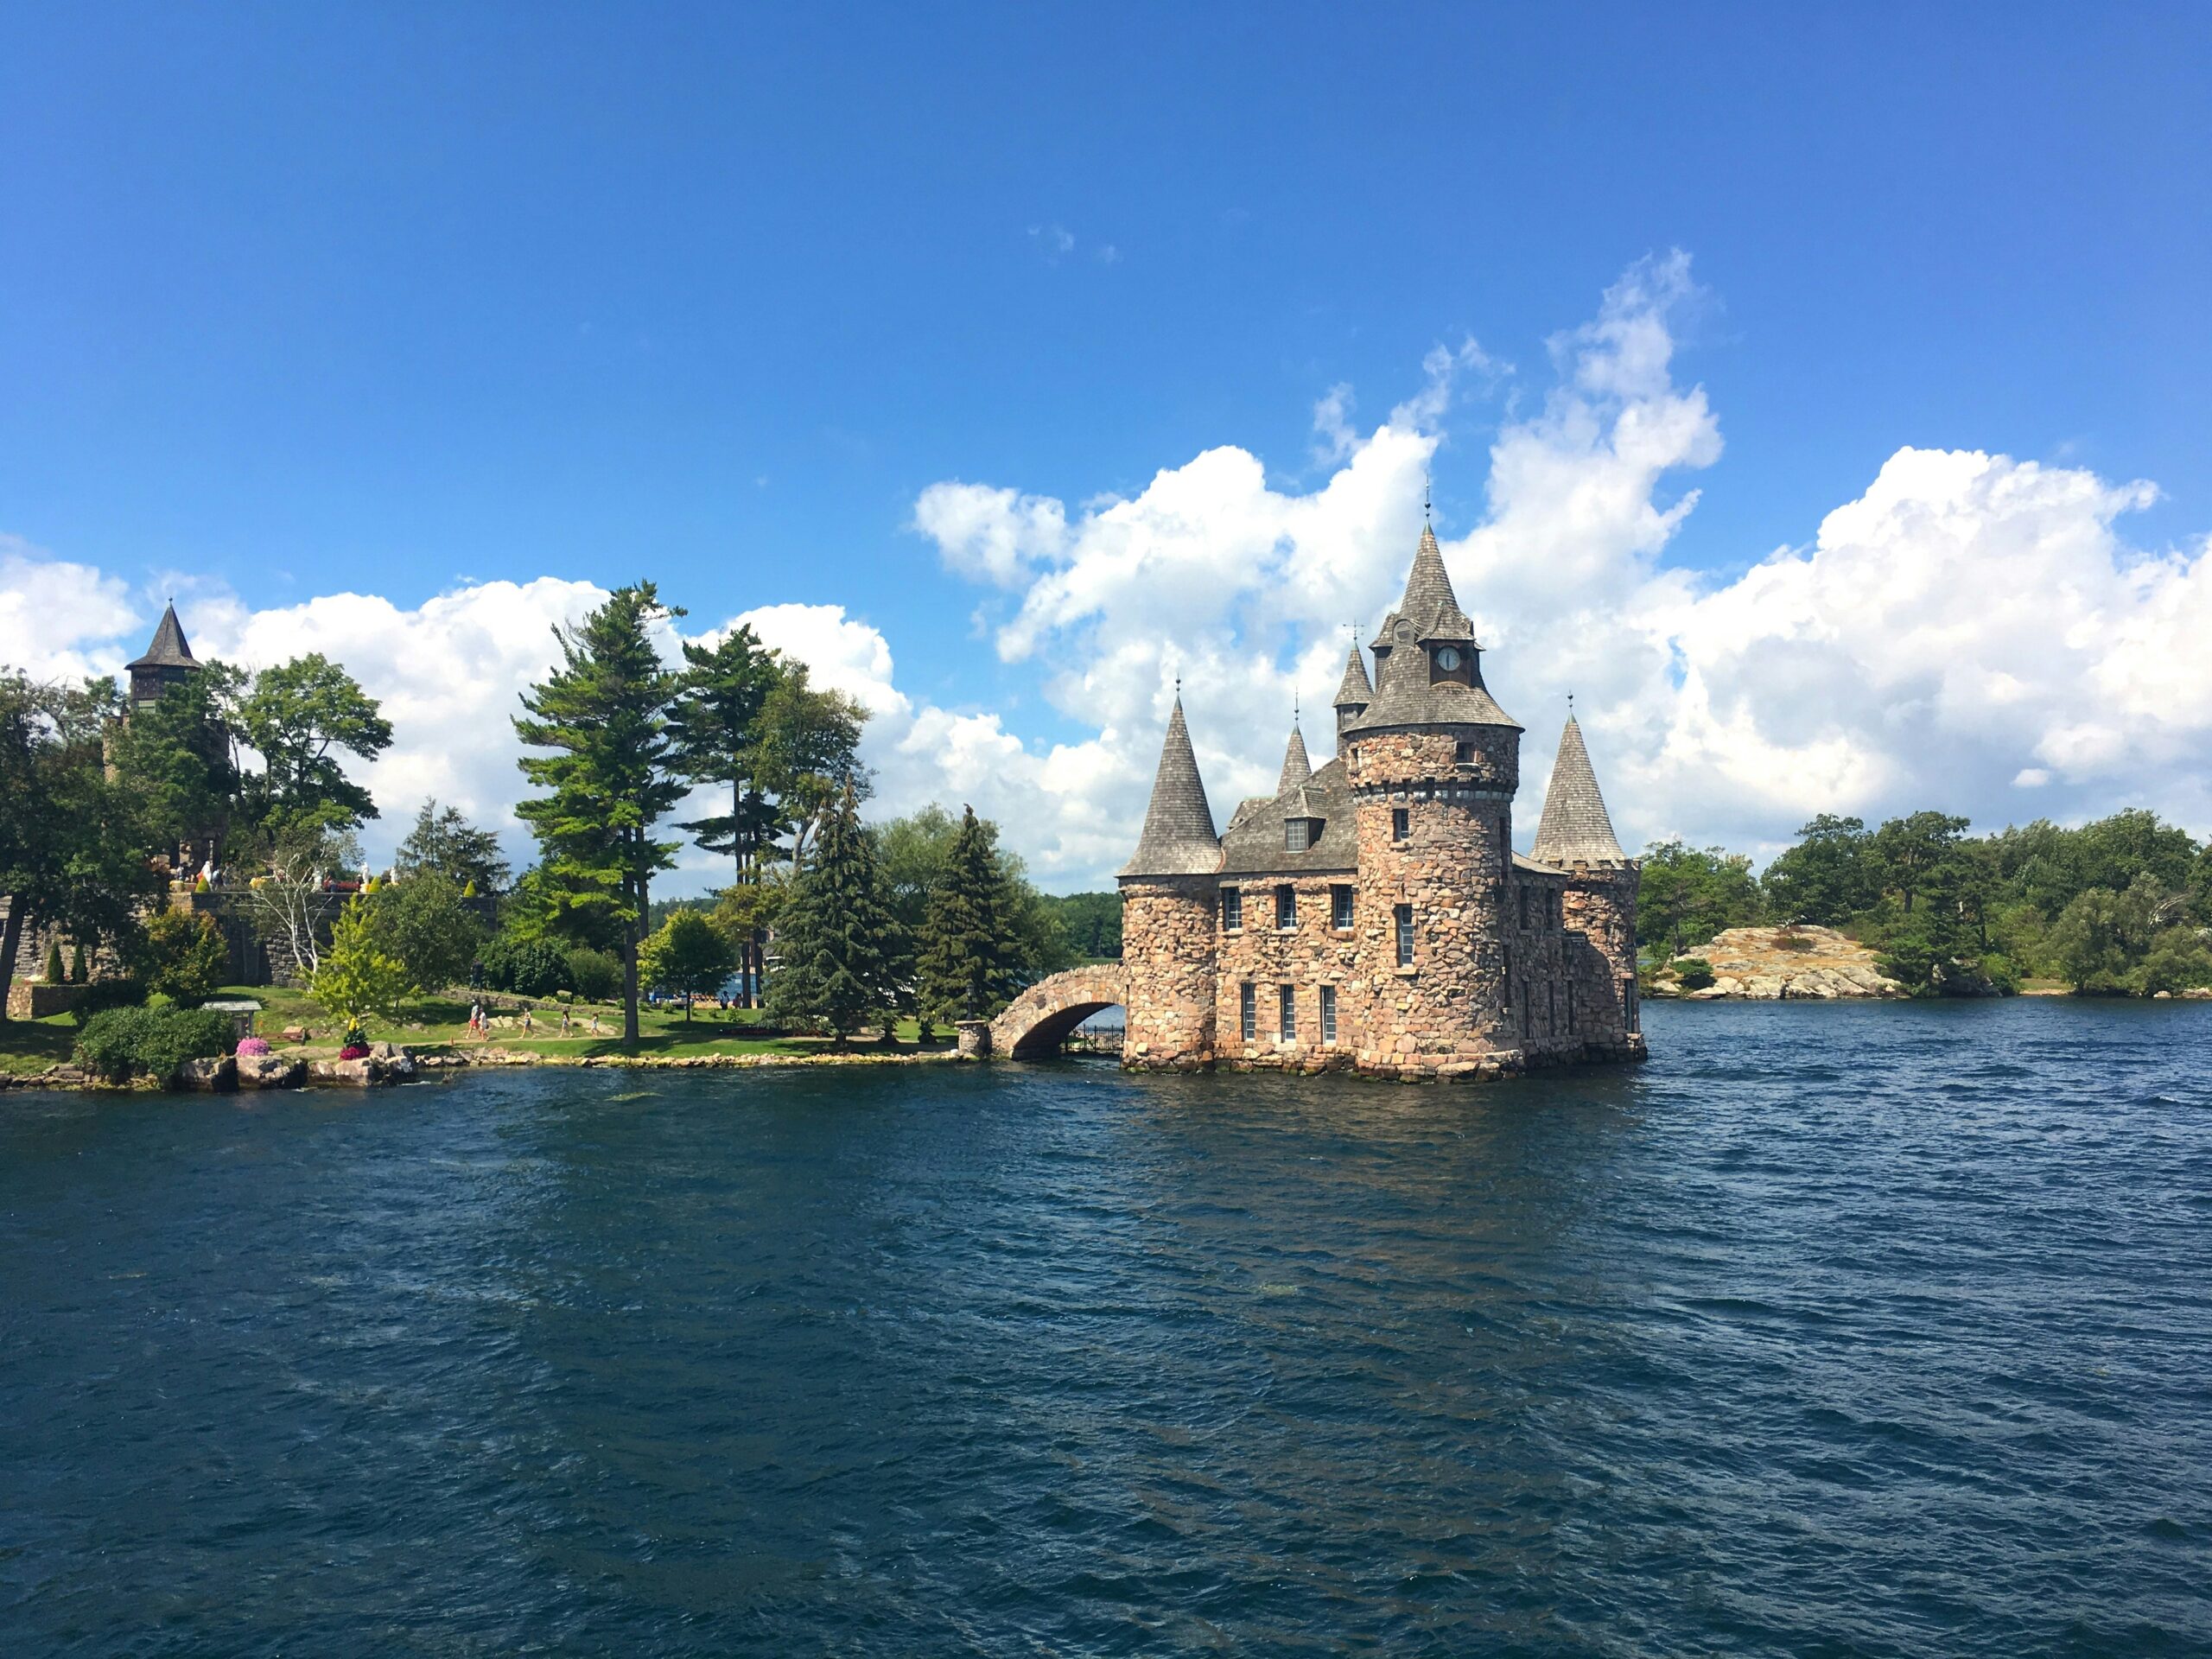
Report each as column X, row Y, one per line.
column 1299, row 833
column 1452, row 663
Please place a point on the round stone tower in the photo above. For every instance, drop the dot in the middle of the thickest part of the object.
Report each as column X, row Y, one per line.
column 1434, row 763
column 1170, row 944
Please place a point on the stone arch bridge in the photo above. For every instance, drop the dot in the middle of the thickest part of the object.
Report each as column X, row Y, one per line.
column 1035, row 1022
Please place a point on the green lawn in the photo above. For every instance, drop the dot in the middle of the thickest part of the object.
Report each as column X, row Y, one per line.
column 443, row 1022
column 27, row 1046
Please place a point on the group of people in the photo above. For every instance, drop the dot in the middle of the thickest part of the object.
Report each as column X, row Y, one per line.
column 479, row 1021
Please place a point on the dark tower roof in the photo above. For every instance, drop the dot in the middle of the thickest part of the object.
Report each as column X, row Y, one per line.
column 168, row 649
column 1357, row 692
column 1429, row 615
column 1178, row 838
column 1296, row 768
column 1575, row 828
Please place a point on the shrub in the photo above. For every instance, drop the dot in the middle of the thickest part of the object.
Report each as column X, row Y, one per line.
column 119, row 1044
column 1694, row 973
column 526, row 967
column 595, row 975
column 252, row 1047
column 105, row 993
column 184, row 956
column 54, row 974
column 78, row 974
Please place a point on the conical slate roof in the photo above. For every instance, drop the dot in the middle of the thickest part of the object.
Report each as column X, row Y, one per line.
column 1429, row 604
column 1575, row 828
column 1296, row 768
column 168, row 649
column 1404, row 694
column 1178, row 838
column 1356, row 692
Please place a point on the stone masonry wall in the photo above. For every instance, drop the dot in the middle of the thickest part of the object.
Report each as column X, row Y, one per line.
column 1168, row 953
column 1306, row 957
column 1601, row 904
column 1441, row 1015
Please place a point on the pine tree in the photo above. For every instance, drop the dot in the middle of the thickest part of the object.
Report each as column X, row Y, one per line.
column 967, row 961
column 714, row 729
column 837, row 940
column 603, row 712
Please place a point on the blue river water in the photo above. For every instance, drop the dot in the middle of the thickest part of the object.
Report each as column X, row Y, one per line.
column 1835, row 1330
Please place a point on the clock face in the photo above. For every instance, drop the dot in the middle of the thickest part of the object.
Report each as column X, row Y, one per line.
column 1448, row 659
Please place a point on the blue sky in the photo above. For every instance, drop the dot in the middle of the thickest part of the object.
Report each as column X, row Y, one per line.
column 393, row 300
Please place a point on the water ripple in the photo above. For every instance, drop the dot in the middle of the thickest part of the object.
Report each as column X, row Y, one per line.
column 1867, row 1330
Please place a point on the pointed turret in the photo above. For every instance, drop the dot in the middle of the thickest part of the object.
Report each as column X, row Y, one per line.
column 1296, row 768
column 1575, row 828
column 1178, row 838
column 1353, row 695
column 168, row 649
column 1427, row 666
column 168, row 661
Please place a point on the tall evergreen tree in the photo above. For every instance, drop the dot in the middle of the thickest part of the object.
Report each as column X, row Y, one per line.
column 445, row 841
column 836, row 939
column 603, row 714
column 717, row 730
column 967, row 960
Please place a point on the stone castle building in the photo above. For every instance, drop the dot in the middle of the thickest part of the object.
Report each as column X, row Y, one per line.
column 1372, row 915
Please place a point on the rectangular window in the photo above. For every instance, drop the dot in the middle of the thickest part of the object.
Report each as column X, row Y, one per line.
column 1570, row 1010
column 1340, row 907
column 1524, row 1008
column 1232, row 910
column 1286, row 907
column 1297, row 835
column 1405, row 918
column 1551, row 1008
column 1329, row 1013
column 1464, row 754
column 1248, row 1011
column 1401, row 823
column 1525, row 909
column 1288, row 1000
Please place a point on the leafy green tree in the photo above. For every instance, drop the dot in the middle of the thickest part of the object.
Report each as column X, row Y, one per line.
column 297, row 716
column 174, row 756
column 837, row 940
column 357, row 977
column 1907, row 851
column 443, row 840
column 1687, row 895
column 184, row 956
column 603, row 715
column 969, row 962
column 1826, row 877
column 74, row 839
column 687, row 957
column 1091, row 923
column 809, row 753
column 422, row 920
column 915, row 852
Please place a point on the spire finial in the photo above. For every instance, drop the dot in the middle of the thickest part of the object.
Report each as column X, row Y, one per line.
column 1424, row 495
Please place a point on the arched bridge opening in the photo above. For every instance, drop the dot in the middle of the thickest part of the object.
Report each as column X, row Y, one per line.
column 1038, row 1021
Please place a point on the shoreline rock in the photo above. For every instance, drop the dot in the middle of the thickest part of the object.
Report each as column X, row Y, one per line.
column 1770, row 964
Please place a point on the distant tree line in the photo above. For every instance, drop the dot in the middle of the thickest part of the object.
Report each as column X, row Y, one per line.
column 2121, row 906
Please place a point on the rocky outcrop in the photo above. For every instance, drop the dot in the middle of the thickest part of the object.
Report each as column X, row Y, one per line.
column 271, row 1072
column 218, row 1076
column 1777, row 964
